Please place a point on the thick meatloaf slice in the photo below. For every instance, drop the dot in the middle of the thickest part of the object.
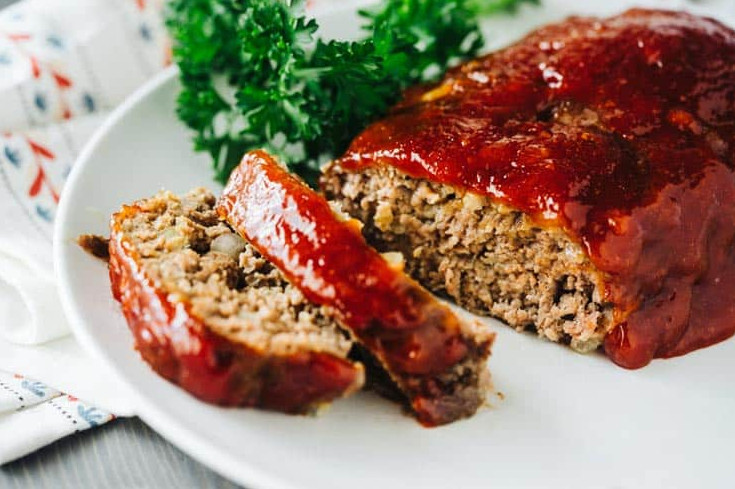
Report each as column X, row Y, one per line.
column 436, row 360
column 579, row 182
column 211, row 315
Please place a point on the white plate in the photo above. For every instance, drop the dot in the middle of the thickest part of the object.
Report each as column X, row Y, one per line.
column 567, row 420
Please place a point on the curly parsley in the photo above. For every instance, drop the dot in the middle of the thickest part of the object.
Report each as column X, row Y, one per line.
column 255, row 74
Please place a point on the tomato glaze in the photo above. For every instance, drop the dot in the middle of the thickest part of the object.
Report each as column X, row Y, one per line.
column 621, row 132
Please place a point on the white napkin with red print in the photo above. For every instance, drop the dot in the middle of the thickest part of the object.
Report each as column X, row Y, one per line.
column 64, row 64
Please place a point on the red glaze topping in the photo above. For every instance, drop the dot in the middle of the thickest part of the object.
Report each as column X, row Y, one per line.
column 411, row 333
column 180, row 347
column 622, row 132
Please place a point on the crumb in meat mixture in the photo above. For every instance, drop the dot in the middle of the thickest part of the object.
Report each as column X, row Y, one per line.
column 97, row 246
column 487, row 257
column 195, row 257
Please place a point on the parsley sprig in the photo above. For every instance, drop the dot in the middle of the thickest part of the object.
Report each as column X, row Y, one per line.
column 255, row 74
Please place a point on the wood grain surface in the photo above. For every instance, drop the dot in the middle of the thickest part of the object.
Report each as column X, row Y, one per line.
column 122, row 454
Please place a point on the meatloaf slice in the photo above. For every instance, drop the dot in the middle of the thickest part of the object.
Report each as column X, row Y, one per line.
column 436, row 360
column 211, row 315
column 580, row 182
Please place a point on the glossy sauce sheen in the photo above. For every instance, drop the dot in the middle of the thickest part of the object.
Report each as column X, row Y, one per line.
column 179, row 347
column 621, row 131
column 404, row 326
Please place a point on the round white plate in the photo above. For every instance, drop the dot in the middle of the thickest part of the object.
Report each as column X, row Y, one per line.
column 566, row 421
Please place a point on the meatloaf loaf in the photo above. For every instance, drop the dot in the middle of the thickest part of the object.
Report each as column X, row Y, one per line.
column 436, row 360
column 579, row 183
column 210, row 314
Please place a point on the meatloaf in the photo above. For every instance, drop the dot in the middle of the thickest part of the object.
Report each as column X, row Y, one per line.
column 436, row 361
column 578, row 183
column 210, row 314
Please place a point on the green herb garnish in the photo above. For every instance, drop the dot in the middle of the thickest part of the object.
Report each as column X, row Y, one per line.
column 255, row 74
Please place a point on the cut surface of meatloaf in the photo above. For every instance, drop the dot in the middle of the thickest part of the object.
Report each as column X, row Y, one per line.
column 489, row 258
column 436, row 360
column 579, row 182
column 211, row 315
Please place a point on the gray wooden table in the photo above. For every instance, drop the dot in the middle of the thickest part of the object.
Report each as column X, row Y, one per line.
column 122, row 454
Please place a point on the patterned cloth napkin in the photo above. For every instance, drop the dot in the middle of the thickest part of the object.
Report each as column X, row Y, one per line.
column 32, row 415
column 64, row 64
